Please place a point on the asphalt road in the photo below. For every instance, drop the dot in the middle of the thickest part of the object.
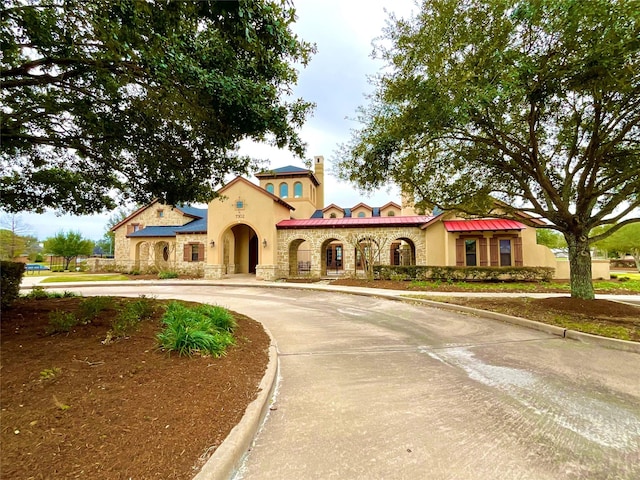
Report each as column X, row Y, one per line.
column 378, row 389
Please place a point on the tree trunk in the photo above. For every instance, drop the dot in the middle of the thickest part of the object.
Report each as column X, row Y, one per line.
column 580, row 267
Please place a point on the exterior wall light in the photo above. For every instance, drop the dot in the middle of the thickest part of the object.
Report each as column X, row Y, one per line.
column 264, row 243
column 213, row 243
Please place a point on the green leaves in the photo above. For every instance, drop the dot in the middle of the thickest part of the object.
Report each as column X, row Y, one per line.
column 140, row 100
column 205, row 329
column 68, row 245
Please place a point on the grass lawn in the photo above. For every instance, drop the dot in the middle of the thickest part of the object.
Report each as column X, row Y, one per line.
column 630, row 286
column 84, row 277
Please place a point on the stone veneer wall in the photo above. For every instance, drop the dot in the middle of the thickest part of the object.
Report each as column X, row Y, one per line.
column 318, row 238
column 124, row 247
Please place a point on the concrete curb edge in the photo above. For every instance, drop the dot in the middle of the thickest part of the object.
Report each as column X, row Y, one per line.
column 228, row 457
column 612, row 343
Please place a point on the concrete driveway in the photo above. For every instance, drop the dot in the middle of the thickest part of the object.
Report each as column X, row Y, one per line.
column 377, row 389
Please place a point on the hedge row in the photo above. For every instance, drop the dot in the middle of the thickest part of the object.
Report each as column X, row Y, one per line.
column 419, row 272
column 11, row 273
column 620, row 263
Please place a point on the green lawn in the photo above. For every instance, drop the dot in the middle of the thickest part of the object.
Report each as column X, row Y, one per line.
column 84, row 277
column 630, row 286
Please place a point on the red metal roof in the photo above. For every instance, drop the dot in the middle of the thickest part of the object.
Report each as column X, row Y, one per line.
column 483, row 224
column 394, row 221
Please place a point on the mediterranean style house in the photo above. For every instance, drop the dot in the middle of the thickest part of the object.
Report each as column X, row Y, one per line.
column 281, row 228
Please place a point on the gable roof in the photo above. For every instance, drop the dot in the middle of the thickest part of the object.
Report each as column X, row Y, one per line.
column 133, row 214
column 186, row 210
column 484, row 224
column 390, row 204
column 253, row 185
column 347, row 222
column 333, row 205
column 362, row 205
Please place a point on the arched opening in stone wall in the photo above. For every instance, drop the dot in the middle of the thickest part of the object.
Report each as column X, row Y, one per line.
column 299, row 257
column 141, row 257
column 332, row 257
column 402, row 251
column 241, row 249
column 368, row 252
column 164, row 255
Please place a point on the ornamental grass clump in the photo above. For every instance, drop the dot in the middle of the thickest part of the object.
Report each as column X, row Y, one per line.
column 205, row 329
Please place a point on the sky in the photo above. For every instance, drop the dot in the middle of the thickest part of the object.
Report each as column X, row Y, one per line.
column 335, row 79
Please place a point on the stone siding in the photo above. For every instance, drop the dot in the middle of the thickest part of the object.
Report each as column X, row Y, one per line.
column 318, row 238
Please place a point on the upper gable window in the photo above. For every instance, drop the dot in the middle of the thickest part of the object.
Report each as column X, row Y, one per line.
column 269, row 188
column 284, row 190
column 361, row 214
column 332, row 215
column 391, row 213
column 297, row 190
column 160, row 213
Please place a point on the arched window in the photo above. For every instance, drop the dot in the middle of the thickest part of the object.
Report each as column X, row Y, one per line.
column 297, row 190
column 391, row 213
column 332, row 215
column 361, row 215
column 284, row 190
column 270, row 188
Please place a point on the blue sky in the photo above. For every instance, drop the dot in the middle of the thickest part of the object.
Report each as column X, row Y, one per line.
column 336, row 80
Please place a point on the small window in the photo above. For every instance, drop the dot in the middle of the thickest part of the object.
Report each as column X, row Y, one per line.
column 194, row 253
column 284, row 190
column 160, row 213
column 269, row 188
column 391, row 213
column 239, row 204
column 470, row 247
column 361, row 215
column 136, row 227
column 297, row 190
column 505, row 253
column 332, row 215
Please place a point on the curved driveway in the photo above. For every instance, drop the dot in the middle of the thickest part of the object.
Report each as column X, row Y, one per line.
column 378, row 389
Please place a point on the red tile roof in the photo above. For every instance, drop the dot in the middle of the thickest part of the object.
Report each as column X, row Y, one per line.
column 483, row 224
column 394, row 221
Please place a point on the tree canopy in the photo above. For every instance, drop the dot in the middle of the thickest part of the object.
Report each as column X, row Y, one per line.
column 624, row 241
column 108, row 101
column 535, row 103
column 68, row 245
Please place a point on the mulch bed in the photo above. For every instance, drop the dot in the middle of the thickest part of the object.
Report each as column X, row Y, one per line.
column 73, row 407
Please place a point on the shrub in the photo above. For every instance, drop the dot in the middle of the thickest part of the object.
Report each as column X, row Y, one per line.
column 203, row 329
column 130, row 317
column 61, row 322
column 167, row 274
column 39, row 293
column 89, row 308
column 451, row 274
column 11, row 273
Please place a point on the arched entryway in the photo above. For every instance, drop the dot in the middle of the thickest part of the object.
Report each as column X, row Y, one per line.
column 300, row 262
column 241, row 254
column 402, row 252
column 332, row 257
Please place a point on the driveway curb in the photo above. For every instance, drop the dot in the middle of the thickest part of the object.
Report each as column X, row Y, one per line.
column 228, row 457
column 612, row 343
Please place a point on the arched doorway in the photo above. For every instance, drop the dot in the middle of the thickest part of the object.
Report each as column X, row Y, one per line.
column 332, row 257
column 241, row 249
column 402, row 252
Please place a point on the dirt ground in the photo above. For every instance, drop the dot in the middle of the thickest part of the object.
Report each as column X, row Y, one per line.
column 73, row 407
column 604, row 317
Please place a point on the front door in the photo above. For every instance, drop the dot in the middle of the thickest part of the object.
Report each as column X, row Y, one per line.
column 253, row 254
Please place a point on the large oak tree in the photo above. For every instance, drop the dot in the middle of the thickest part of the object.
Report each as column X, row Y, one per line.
column 535, row 103
column 111, row 100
